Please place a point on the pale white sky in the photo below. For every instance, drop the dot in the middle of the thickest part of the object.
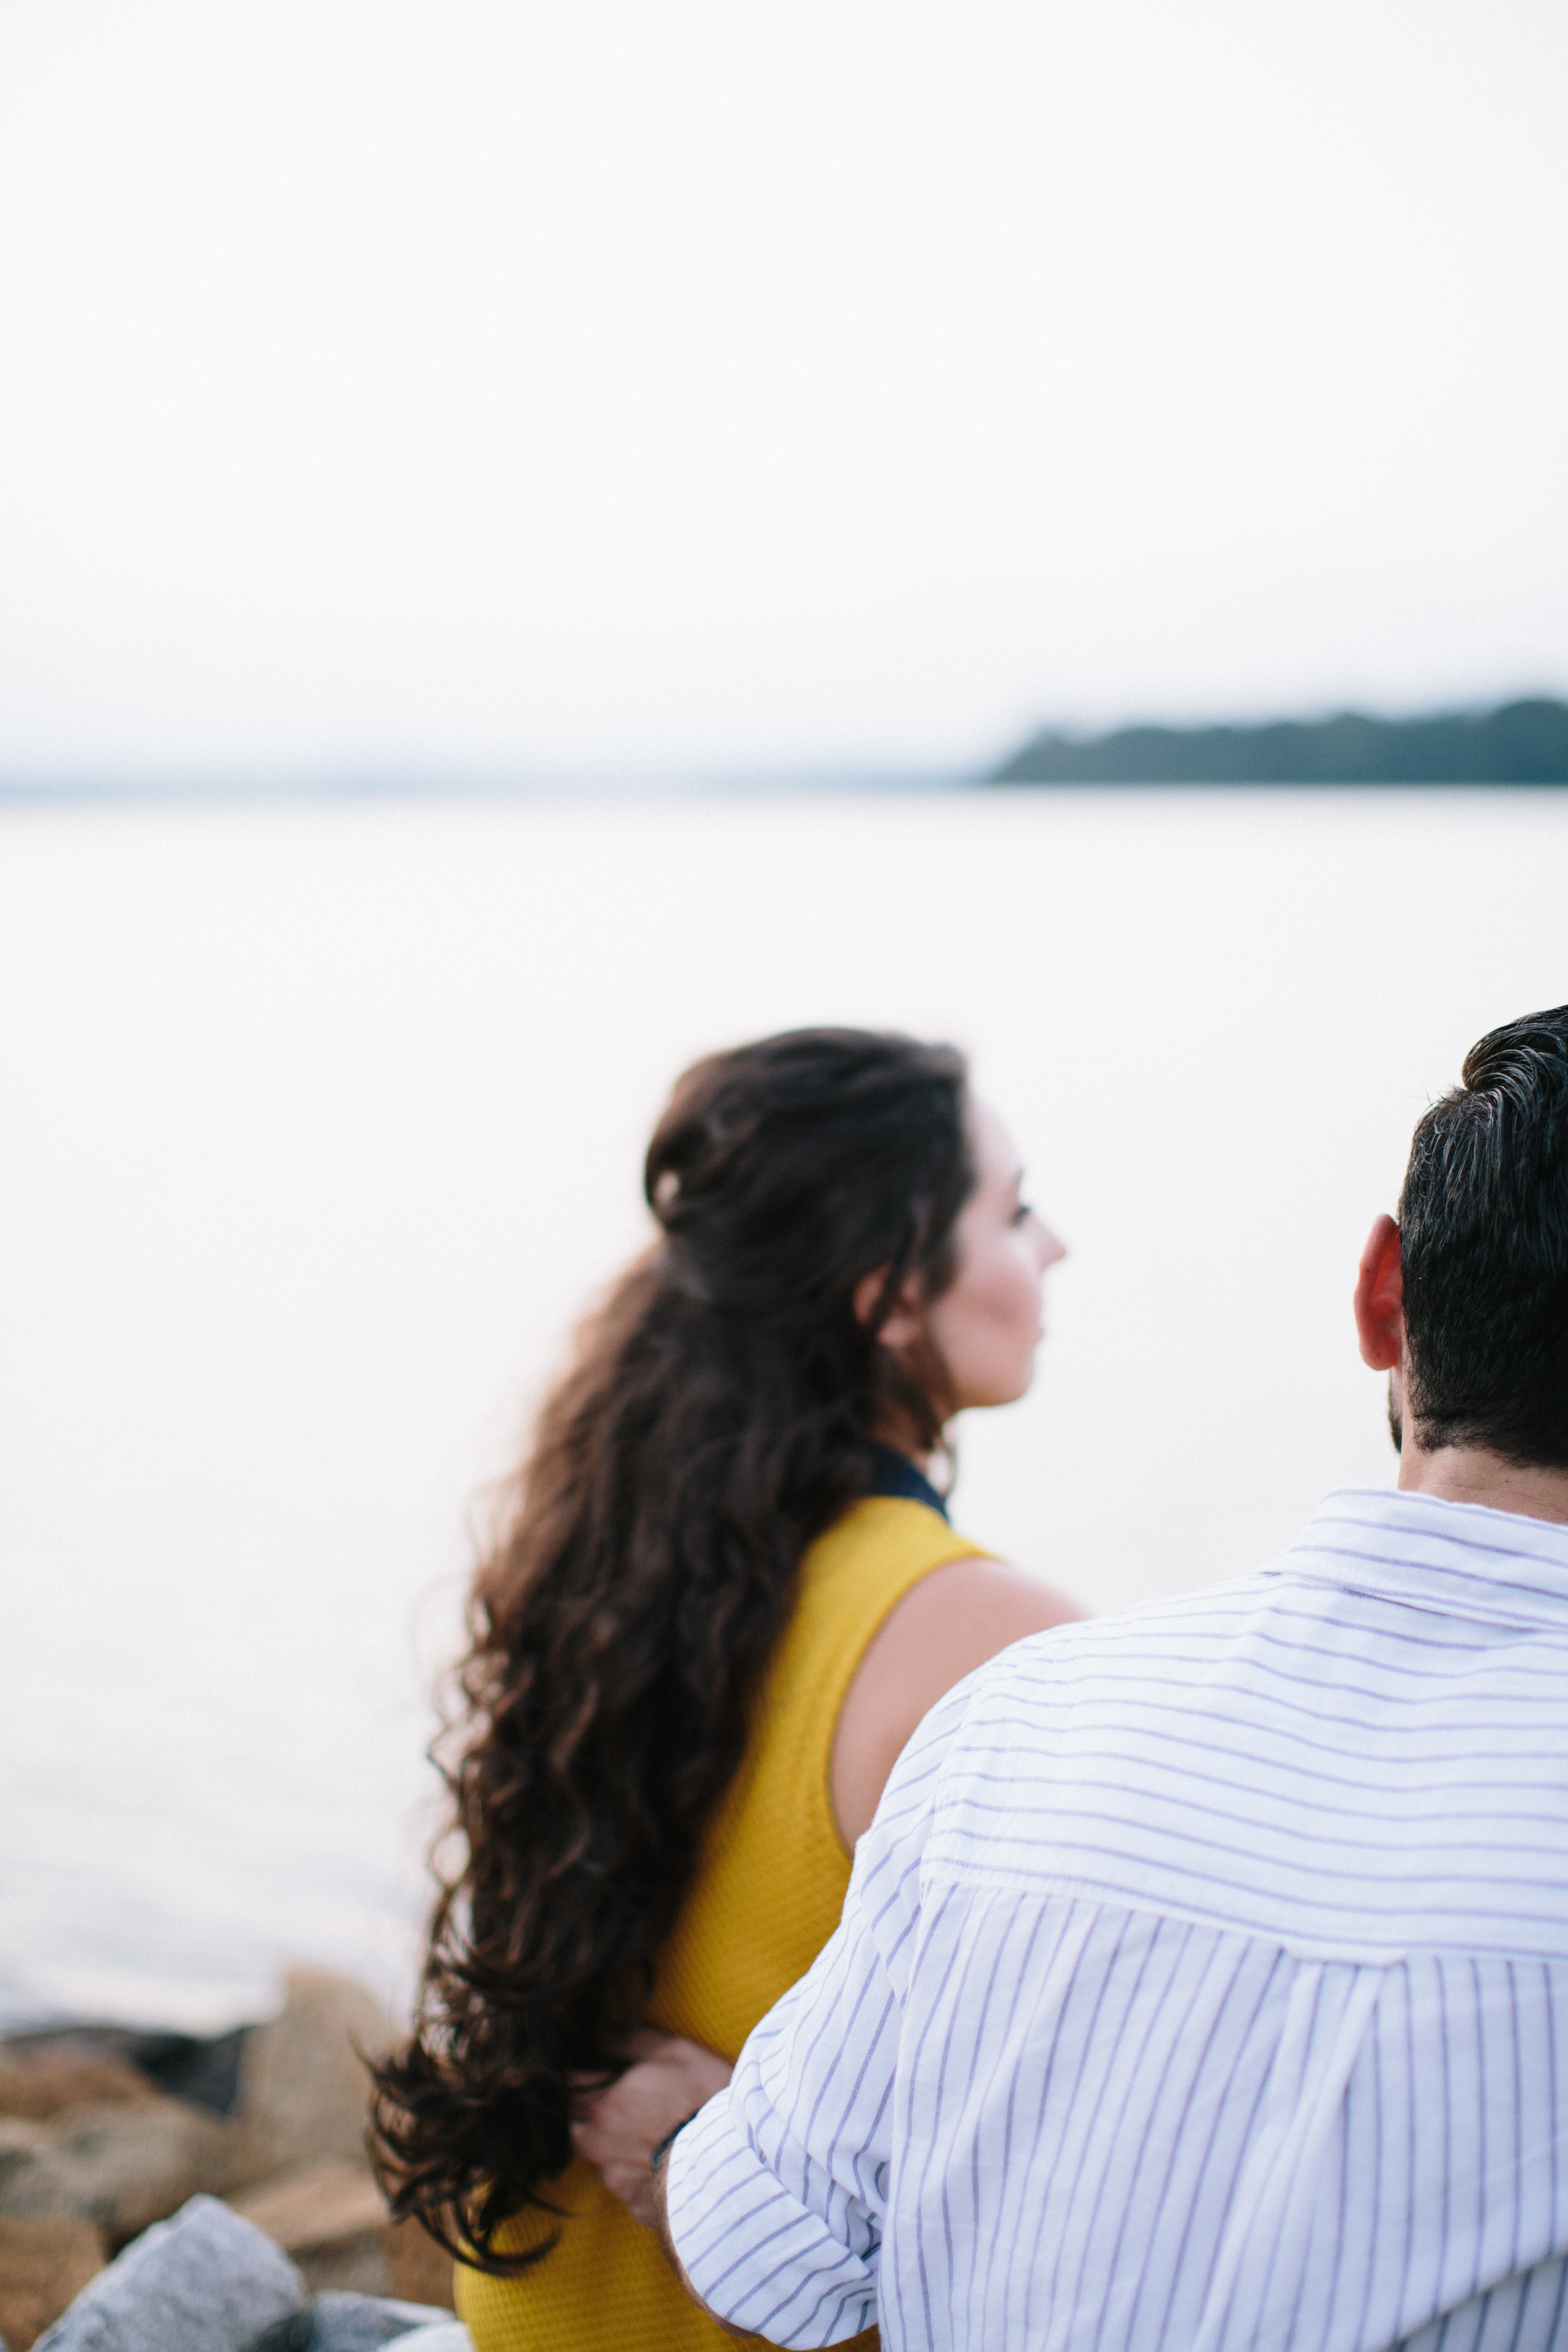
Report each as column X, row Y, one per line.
column 616, row 384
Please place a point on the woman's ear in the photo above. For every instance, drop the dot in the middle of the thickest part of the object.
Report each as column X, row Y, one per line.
column 902, row 1324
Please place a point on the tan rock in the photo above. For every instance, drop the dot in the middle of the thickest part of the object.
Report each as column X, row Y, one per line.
column 303, row 2090
column 314, row 2204
column 120, row 2166
column 50, row 2081
column 351, row 2266
column 43, row 2265
column 332, row 2219
column 418, row 2269
column 21, row 2094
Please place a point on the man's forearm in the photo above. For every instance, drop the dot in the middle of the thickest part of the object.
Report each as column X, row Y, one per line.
column 771, row 2197
column 672, row 2254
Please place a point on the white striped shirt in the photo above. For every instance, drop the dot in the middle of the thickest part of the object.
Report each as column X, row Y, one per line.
column 1203, row 1984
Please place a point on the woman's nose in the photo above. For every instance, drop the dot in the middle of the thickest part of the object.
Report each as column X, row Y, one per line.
column 1051, row 1248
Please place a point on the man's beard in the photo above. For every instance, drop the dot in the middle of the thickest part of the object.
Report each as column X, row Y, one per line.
column 1396, row 1418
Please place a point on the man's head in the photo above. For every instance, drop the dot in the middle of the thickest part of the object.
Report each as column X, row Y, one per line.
column 1467, row 1301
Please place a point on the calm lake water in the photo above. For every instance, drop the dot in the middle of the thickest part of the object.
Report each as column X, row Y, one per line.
column 322, row 1121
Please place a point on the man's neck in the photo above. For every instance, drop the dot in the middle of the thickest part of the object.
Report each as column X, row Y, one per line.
column 1468, row 1474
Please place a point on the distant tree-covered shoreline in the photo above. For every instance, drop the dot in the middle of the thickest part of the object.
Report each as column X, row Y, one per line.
column 1517, row 744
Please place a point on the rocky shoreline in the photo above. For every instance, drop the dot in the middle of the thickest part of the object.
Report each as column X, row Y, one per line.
column 105, row 2131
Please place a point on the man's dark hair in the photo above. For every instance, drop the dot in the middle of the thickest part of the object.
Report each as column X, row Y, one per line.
column 1483, row 1222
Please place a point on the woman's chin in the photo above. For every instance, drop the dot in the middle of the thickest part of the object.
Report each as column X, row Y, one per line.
column 986, row 1397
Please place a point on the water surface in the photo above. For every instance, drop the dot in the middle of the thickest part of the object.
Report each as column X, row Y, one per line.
column 321, row 1122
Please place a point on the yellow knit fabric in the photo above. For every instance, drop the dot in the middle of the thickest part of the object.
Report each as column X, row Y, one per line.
column 767, row 1893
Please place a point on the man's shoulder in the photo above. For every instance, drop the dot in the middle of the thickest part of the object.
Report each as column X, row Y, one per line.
column 1150, row 1635
column 1333, row 1756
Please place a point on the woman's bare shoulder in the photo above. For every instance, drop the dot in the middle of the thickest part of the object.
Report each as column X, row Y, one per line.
column 952, row 1620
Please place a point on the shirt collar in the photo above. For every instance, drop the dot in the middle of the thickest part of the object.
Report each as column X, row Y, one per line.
column 894, row 1473
column 1459, row 1559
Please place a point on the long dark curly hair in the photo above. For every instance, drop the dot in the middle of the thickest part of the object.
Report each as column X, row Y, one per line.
column 718, row 1417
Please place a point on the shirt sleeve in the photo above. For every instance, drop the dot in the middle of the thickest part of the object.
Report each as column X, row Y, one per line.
column 775, row 2192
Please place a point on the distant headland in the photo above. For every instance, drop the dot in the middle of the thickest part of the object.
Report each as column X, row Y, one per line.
column 1517, row 744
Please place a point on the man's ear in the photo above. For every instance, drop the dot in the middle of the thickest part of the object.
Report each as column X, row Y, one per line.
column 903, row 1323
column 1380, row 1298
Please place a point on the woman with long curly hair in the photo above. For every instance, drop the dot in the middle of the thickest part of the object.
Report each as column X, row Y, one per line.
column 724, row 1594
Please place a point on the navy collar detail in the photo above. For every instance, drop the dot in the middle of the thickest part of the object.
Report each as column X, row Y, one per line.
column 894, row 1473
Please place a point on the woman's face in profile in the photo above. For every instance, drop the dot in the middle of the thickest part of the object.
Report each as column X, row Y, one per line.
column 986, row 1324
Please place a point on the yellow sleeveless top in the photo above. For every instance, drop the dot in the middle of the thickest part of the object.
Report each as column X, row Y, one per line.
column 769, row 1887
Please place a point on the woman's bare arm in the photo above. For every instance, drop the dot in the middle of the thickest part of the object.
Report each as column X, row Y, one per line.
column 949, row 1623
column 945, row 1626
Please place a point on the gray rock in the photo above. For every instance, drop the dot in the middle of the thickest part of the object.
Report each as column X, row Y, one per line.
column 353, row 2323
column 204, row 2281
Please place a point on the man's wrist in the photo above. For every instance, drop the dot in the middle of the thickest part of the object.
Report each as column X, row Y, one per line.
column 661, row 2147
